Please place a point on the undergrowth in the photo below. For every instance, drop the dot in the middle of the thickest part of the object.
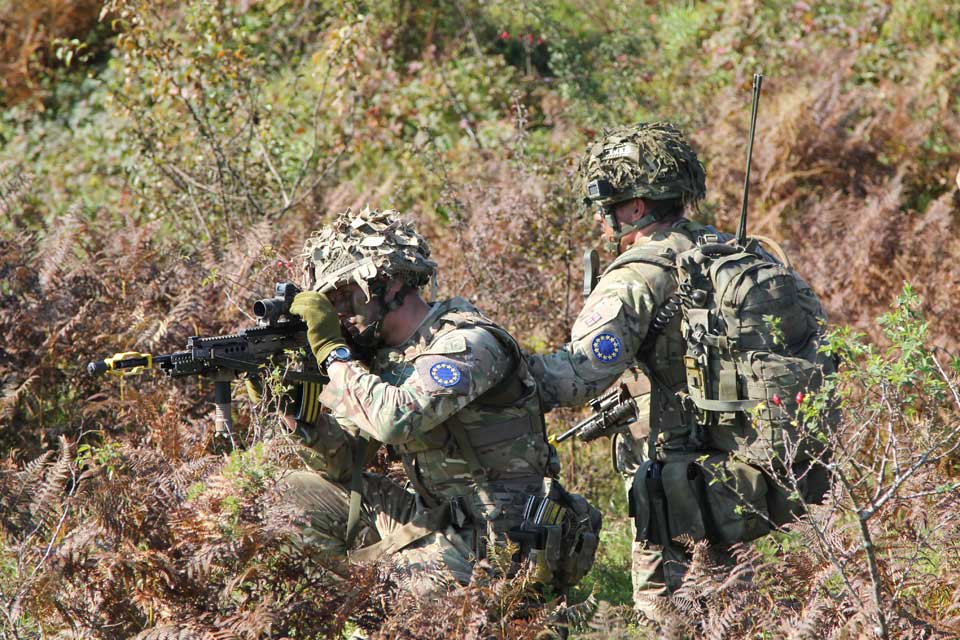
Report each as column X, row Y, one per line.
column 162, row 162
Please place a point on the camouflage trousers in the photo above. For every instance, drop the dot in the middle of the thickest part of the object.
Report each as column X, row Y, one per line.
column 431, row 563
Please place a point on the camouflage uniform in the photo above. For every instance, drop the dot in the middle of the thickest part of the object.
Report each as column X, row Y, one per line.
column 605, row 342
column 610, row 335
column 459, row 406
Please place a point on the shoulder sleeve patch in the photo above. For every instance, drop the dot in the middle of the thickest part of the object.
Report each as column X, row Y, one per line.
column 596, row 315
column 438, row 373
column 606, row 347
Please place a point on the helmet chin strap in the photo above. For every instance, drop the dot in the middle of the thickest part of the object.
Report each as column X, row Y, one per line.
column 622, row 229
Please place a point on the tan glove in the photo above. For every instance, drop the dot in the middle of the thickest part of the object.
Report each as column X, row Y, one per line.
column 323, row 324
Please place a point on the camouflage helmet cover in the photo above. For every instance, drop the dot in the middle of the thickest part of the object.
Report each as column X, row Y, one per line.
column 363, row 247
column 646, row 160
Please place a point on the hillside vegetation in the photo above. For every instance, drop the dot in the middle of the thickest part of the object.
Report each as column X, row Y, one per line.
column 162, row 163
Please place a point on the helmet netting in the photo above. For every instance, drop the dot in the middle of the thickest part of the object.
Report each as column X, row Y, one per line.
column 366, row 246
column 646, row 160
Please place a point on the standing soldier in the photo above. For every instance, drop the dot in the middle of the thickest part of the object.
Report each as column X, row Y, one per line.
column 727, row 368
column 449, row 392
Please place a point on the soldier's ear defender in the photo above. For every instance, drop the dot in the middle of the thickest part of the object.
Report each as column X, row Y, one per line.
column 599, row 189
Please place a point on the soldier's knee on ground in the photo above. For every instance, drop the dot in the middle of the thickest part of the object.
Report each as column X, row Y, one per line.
column 434, row 563
column 325, row 505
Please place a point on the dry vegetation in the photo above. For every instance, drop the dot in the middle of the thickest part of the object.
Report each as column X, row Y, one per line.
column 157, row 197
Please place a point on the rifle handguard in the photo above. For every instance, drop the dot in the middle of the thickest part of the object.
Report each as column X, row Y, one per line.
column 609, row 421
column 128, row 363
column 612, row 410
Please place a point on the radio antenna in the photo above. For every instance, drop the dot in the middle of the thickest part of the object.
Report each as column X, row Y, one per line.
column 742, row 230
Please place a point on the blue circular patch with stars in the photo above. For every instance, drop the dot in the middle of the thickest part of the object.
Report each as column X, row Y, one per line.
column 445, row 374
column 606, row 347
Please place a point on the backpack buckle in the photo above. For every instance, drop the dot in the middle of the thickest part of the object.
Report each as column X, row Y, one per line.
column 708, row 238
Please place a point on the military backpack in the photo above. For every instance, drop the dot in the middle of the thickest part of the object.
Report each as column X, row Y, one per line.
column 752, row 330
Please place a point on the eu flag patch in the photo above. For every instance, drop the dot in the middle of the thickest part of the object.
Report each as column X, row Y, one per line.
column 606, row 347
column 446, row 374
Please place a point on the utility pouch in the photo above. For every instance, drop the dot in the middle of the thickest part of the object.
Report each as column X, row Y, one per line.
column 558, row 536
column 684, row 496
column 736, row 499
column 704, row 496
column 648, row 504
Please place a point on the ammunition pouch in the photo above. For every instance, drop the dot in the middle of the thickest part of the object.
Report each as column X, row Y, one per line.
column 704, row 495
column 558, row 536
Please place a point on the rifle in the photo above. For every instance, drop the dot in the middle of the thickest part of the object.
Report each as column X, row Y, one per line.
column 222, row 358
column 611, row 411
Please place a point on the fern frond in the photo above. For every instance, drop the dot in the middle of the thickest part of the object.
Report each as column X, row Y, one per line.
column 170, row 632
column 56, row 247
column 720, row 620
column 46, row 504
column 12, row 393
column 809, row 624
column 176, row 483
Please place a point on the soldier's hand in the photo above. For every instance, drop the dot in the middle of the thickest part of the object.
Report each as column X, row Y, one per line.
column 323, row 325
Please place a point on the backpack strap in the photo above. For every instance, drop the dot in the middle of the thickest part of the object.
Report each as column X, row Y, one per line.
column 646, row 253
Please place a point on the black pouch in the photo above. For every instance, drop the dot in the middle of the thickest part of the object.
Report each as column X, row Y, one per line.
column 559, row 536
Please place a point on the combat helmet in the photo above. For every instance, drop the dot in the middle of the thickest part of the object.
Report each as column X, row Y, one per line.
column 368, row 248
column 649, row 160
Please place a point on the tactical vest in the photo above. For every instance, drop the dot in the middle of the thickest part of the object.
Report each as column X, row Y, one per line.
column 493, row 451
column 661, row 354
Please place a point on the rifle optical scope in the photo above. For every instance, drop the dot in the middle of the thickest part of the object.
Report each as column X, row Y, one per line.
column 270, row 310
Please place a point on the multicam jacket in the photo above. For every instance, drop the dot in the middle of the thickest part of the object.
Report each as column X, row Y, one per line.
column 457, row 402
column 609, row 332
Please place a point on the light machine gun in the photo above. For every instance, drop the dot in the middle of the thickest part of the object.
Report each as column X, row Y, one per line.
column 612, row 411
column 222, row 358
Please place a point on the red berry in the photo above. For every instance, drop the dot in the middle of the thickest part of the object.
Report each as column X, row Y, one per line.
column 776, row 399
column 799, row 397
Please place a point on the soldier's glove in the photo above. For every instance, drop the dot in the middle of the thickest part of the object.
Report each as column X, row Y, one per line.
column 323, row 325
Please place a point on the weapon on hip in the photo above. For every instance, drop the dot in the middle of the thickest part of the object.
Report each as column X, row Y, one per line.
column 222, row 358
column 612, row 411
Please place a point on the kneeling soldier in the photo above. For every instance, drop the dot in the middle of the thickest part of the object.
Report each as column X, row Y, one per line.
column 449, row 391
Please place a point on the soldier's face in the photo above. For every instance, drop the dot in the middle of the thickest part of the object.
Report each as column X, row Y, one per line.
column 355, row 311
column 605, row 229
column 626, row 212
